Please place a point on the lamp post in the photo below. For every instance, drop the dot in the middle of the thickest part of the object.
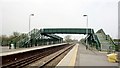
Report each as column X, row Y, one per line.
column 29, row 25
column 86, row 29
column 30, row 20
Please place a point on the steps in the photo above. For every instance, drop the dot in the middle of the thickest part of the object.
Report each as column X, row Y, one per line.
column 105, row 41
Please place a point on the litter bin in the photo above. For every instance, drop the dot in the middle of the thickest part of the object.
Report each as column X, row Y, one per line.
column 112, row 57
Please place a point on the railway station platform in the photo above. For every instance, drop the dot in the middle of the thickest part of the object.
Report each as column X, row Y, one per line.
column 7, row 51
column 79, row 56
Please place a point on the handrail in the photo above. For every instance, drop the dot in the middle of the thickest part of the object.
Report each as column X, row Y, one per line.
column 111, row 39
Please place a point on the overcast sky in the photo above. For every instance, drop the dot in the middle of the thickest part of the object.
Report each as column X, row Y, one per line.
column 14, row 15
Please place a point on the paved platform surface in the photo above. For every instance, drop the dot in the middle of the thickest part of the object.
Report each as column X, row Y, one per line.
column 85, row 57
column 70, row 58
column 92, row 58
column 6, row 51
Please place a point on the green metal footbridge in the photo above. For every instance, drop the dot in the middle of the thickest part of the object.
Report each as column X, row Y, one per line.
column 46, row 36
column 91, row 37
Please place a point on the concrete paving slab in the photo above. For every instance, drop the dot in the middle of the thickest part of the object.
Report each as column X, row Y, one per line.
column 91, row 58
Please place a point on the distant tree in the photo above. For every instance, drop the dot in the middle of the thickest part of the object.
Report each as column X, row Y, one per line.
column 0, row 40
column 4, row 40
column 15, row 37
column 75, row 40
column 16, row 34
column 68, row 38
column 23, row 35
column 11, row 37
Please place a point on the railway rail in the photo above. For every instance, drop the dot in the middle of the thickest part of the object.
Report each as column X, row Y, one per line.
column 55, row 59
column 23, row 59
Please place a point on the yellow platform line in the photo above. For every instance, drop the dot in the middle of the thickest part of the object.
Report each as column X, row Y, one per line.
column 70, row 58
column 74, row 56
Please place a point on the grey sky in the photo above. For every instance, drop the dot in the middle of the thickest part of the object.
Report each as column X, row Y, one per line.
column 119, row 20
column 14, row 15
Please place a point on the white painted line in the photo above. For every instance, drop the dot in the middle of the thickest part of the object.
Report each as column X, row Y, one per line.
column 70, row 58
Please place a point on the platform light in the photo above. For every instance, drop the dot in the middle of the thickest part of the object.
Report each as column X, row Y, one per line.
column 86, row 28
column 30, row 23
column 30, row 20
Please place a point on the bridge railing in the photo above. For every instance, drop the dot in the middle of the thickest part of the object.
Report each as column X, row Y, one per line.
column 94, row 41
column 26, row 41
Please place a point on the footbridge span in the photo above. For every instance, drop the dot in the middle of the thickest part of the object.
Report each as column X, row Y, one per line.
column 47, row 36
column 91, row 38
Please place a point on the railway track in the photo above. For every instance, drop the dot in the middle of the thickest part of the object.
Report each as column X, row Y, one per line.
column 32, row 58
column 52, row 62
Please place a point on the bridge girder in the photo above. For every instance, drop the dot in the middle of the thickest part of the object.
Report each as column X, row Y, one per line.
column 67, row 31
